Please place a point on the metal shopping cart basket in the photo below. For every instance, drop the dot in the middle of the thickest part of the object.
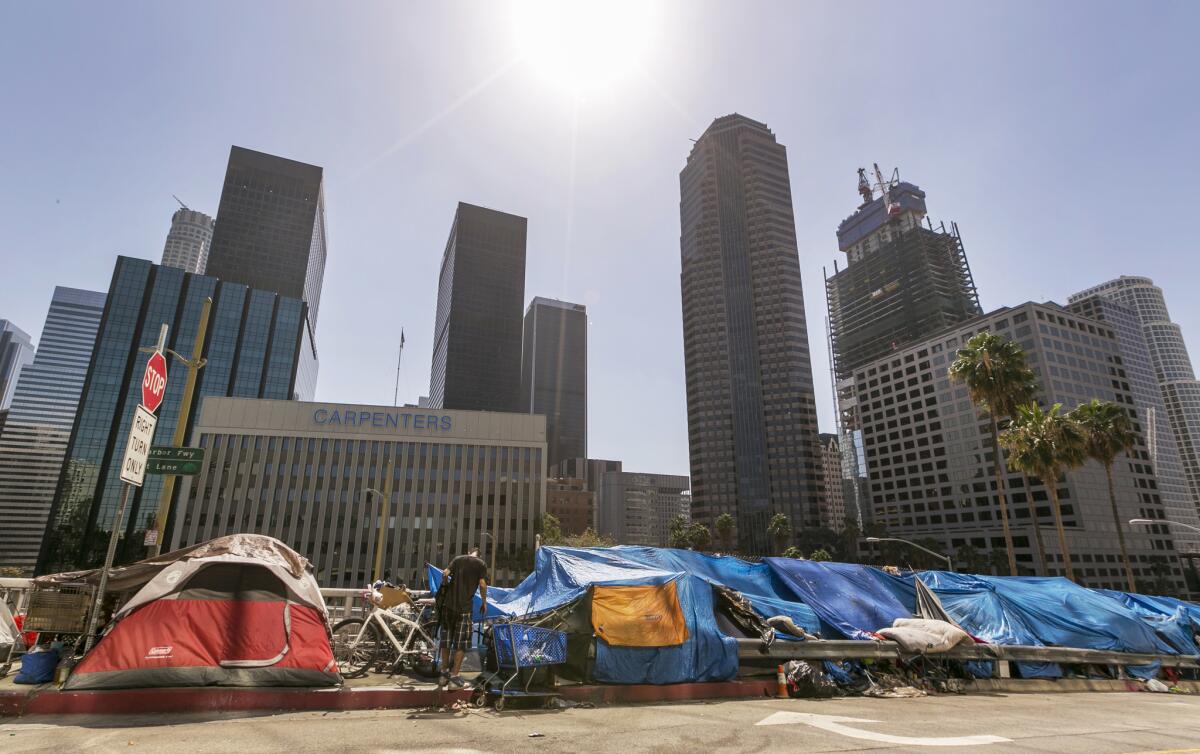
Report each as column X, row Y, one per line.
column 518, row 647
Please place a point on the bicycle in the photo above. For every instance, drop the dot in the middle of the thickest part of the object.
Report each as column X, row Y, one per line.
column 359, row 643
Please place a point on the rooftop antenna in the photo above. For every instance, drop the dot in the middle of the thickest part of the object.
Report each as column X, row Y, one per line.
column 396, row 395
column 181, row 204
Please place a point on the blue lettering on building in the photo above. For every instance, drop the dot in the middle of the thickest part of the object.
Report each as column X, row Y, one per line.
column 381, row 419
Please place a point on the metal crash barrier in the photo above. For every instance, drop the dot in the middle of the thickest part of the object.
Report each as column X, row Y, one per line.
column 751, row 649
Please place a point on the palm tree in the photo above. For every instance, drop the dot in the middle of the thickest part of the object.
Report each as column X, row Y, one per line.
column 781, row 529
column 1046, row 444
column 724, row 525
column 1108, row 432
column 998, row 380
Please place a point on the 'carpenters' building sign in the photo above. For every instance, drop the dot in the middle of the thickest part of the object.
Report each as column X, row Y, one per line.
column 381, row 419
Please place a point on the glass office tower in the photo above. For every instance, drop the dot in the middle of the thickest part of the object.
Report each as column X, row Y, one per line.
column 253, row 349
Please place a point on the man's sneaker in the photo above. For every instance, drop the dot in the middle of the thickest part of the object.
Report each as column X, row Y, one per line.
column 456, row 683
column 443, row 679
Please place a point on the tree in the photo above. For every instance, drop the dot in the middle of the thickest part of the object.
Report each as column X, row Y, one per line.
column 998, row 380
column 793, row 552
column 724, row 525
column 677, row 532
column 698, row 536
column 1046, row 444
column 970, row 560
column 848, row 540
column 1108, row 432
column 780, row 529
column 551, row 530
column 820, row 555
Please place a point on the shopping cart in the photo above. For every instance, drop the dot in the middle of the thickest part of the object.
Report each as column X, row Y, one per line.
column 519, row 647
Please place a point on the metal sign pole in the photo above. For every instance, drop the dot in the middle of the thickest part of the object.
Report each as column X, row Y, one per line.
column 108, row 561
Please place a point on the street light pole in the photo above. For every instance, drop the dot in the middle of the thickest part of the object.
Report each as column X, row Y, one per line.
column 492, row 547
column 384, row 504
column 1168, row 522
column 949, row 563
column 1152, row 521
column 194, row 365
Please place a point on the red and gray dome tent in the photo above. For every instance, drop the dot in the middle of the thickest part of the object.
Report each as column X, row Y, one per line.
column 242, row 610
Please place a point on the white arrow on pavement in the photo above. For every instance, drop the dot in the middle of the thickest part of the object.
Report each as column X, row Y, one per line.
column 833, row 724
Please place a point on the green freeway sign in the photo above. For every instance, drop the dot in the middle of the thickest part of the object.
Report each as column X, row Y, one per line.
column 175, row 461
column 166, row 453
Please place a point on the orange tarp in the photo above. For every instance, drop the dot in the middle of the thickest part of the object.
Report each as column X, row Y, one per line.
column 639, row 616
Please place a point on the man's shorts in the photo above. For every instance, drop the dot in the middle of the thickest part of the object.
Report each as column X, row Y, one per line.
column 455, row 631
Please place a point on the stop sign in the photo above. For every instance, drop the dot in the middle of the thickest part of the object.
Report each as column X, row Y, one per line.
column 154, row 382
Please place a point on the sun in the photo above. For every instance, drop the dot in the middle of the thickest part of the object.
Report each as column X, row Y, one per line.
column 580, row 45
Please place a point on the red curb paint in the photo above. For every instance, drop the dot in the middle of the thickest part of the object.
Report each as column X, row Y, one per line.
column 224, row 699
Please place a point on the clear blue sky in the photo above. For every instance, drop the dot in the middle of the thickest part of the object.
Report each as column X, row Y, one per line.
column 1062, row 137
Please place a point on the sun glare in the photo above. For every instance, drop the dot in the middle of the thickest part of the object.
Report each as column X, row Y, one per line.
column 583, row 46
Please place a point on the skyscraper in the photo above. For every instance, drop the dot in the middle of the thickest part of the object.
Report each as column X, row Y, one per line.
column 254, row 349
column 752, row 426
column 270, row 227
column 929, row 453
column 477, row 329
column 903, row 279
column 16, row 350
column 1171, row 363
column 35, row 436
column 554, row 374
column 637, row 509
column 188, row 241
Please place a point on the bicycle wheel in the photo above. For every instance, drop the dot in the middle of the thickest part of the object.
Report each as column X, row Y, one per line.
column 424, row 661
column 353, row 659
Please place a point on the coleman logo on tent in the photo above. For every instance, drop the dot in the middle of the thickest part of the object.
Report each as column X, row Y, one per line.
column 652, row 617
column 159, row 653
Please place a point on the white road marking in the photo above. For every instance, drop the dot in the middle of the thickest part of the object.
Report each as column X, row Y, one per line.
column 833, row 724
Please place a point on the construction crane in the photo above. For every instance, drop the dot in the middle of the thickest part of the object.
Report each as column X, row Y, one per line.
column 181, row 204
column 885, row 189
column 864, row 187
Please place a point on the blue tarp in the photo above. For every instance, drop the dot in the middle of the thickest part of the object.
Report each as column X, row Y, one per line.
column 1175, row 621
column 851, row 600
column 839, row 600
column 562, row 575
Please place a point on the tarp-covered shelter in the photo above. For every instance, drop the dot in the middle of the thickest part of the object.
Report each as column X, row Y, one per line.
column 653, row 611
column 852, row 600
column 242, row 610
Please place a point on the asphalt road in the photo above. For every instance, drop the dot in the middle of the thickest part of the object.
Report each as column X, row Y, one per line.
column 1091, row 723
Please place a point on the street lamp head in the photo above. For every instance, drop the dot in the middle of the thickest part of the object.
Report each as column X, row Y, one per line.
column 1133, row 521
column 873, row 539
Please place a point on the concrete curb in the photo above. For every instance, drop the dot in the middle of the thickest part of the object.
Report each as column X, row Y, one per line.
column 50, row 701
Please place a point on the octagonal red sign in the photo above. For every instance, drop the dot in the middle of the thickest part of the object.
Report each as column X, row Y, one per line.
column 154, row 382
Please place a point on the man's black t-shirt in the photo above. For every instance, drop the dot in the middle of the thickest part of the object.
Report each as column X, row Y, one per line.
column 465, row 573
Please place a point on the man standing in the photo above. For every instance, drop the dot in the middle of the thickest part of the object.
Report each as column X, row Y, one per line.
column 466, row 574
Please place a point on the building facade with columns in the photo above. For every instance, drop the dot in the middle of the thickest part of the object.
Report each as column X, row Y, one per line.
column 315, row 475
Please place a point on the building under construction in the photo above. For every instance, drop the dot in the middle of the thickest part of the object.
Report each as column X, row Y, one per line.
column 904, row 278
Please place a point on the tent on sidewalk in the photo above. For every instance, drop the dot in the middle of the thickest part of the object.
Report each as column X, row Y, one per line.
column 242, row 610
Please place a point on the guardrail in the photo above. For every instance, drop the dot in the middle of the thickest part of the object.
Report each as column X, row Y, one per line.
column 342, row 603
column 16, row 593
column 750, row 649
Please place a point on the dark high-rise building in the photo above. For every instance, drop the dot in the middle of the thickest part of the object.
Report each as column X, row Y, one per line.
column 477, row 330
column 752, row 424
column 903, row 280
column 34, row 439
column 554, row 374
column 270, row 228
column 254, row 350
